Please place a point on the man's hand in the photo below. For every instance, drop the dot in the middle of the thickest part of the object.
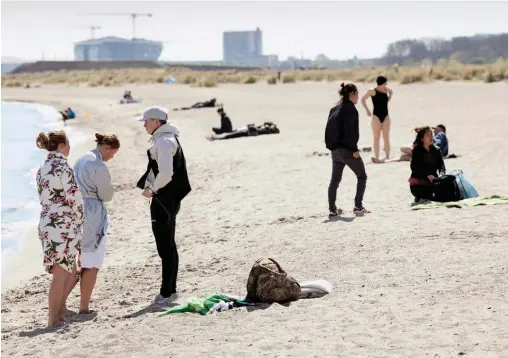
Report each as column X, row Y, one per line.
column 431, row 177
column 356, row 155
column 147, row 193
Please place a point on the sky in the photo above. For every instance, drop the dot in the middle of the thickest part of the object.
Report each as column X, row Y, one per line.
column 192, row 30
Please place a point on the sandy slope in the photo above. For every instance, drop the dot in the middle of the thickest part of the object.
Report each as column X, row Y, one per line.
column 427, row 283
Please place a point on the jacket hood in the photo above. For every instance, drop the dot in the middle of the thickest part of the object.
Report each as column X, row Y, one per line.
column 164, row 129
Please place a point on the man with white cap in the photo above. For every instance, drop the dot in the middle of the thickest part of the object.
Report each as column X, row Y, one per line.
column 167, row 183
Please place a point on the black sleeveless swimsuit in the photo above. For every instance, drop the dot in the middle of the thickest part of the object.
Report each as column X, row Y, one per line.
column 380, row 103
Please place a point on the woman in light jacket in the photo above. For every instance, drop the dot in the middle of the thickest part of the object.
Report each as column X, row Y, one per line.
column 94, row 182
column 60, row 221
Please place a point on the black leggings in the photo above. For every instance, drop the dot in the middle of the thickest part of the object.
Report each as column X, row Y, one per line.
column 427, row 192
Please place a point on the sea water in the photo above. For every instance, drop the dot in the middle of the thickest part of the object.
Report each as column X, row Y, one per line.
column 21, row 124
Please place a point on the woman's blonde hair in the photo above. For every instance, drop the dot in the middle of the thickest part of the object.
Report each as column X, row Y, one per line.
column 108, row 139
column 51, row 140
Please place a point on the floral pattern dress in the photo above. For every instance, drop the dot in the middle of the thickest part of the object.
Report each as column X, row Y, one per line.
column 62, row 212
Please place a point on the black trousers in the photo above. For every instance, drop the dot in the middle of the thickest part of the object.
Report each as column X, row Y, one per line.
column 427, row 192
column 163, row 213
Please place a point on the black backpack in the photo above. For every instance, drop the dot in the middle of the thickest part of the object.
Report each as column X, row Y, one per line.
column 332, row 129
column 447, row 189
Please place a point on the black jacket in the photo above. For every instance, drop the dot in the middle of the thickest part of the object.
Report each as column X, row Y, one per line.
column 425, row 163
column 342, row 129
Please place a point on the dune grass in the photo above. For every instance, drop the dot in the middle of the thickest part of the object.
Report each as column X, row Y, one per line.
column 443, row 71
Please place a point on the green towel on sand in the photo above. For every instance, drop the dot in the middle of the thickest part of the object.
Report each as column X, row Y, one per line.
column 201, row 305
column 481, row 200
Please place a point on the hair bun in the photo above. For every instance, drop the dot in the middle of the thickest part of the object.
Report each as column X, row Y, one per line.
column 342, row 85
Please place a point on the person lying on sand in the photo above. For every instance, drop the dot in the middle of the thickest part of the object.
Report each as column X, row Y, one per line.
column 206, row 104
column 225, row 123
column 249, row 131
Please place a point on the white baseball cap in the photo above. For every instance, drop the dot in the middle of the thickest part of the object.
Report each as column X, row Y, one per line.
column 154, row 112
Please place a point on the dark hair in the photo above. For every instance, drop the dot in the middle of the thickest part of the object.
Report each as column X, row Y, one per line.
column 420, row 133
column 108, row 139
column 51, row 141
column 346, row 90
column 442, row 127
column 381, row 80
column 162, row 122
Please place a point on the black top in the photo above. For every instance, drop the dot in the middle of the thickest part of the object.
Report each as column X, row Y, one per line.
column 179, row 186
column 342, row 129
column 425, row 163
column 380, row 103
column 225, row 123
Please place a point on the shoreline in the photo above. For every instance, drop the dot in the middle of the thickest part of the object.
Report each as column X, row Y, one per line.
column 20, row 271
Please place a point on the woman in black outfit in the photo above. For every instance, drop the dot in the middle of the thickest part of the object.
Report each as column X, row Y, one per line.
column 380, row 95
column 427, row 166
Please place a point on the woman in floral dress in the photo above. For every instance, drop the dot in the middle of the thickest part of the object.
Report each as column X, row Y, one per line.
column 60, row 221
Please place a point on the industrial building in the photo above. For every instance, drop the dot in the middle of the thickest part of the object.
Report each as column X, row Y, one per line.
column 245, row 48
column 117, row 49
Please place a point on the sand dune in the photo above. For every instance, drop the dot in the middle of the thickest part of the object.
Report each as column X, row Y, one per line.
column 426, row 283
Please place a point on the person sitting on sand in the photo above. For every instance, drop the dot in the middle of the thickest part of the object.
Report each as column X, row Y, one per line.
column 225, row 123
column 441, row 139
column 127, row 96
column 67, row 114
column 94, row 182
column 60, row 221
column 427, row 165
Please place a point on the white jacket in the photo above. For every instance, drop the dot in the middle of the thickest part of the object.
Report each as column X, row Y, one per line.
column 163, row 149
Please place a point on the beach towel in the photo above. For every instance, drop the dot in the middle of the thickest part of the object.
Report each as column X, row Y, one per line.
column 478, row 201
column 207, row 304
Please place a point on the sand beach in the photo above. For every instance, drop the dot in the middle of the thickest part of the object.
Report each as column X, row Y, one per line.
column 406, row 283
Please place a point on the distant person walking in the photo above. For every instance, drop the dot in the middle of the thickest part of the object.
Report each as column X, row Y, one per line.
column 60, row 220
column 341, row 136
column 94, row 181
column 381, row 122
column 167, row 183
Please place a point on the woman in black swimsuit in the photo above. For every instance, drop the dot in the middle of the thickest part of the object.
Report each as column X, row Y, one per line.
column 380, row 95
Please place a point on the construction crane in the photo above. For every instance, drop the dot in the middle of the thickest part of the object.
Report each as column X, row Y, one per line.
column 92, row 31
column 132, row 15
column 90, row 27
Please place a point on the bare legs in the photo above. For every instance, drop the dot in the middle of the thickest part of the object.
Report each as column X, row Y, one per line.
column 379, row 129
column 385, row 130
column 56, row 294
column 70, row 283
column 88, row 278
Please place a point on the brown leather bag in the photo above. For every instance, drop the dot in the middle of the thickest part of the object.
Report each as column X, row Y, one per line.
column 269, row 283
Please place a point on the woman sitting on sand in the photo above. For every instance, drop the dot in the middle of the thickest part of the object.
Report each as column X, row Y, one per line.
column 380, row 95
column 60, row 221
column 427, row 166
column 94, row 181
